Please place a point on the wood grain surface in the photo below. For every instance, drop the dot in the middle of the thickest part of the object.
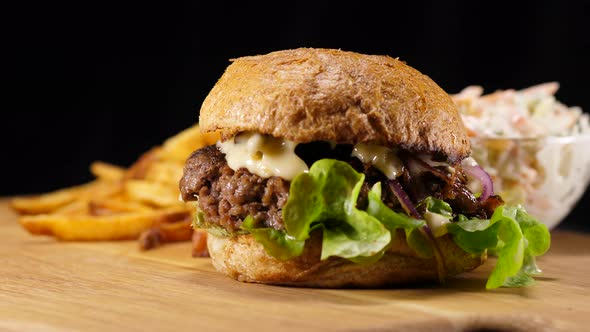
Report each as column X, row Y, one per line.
column 101, row 286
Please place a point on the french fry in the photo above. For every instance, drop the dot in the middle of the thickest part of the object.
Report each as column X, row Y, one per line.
column 180, row 146
column 140, row 202
column 166, row 233
column 199, row 242
column 97, row 228
column 48, row 202
column 164, row 172
column 142, row 165
column 77, row 207
column 65, row 201
column 106, row 171
column 178, row 231
column 115, row 205
column 153, row 193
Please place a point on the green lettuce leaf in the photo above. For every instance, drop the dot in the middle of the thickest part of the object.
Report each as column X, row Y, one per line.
column 326, row 198
column 474, row 235
column 212, row 228
column 520, row 279
column 391, row 219
column 361, row 238
column 394, row 220
column 437, row 206
column 516, row 239
column 277, row 243
column 438, row 215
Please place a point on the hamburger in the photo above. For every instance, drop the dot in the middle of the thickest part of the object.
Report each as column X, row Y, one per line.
column 339, row 169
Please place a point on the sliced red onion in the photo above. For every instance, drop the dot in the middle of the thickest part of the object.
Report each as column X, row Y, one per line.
column 411, row 210
column 478, row 173
column 403, row 198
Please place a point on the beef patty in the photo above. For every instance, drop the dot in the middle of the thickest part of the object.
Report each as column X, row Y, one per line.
column 227, row 197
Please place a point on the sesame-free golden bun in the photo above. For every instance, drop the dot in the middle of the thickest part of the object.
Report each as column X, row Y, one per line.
column 243, row 258
column 310, row 94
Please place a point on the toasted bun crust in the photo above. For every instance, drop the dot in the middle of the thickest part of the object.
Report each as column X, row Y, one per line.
column 244, row 259
column 311, row 94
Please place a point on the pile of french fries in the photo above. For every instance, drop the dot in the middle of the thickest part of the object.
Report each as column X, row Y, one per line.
column 141, row 202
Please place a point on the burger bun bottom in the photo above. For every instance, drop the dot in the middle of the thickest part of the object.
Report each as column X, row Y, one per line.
column 241, row 257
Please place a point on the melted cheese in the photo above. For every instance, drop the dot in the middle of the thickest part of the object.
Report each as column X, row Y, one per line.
column 264, row 156
column 383, row 158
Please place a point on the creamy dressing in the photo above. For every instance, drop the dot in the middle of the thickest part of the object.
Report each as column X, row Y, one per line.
column 262, row 155
column 469, row 161
column 383, row 158
column 267, row 156
column 437, row 223
column 428, row 159
column 474, row 185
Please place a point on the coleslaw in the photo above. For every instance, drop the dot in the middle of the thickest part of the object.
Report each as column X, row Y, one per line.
column 534, row 147
column 529, row 113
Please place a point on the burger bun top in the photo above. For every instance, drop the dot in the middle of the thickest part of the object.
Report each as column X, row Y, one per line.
column 310, row 94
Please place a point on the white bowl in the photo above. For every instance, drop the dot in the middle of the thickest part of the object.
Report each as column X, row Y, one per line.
column 547, row 175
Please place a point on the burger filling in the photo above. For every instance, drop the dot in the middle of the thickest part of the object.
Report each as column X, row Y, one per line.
column 359, row 196
column 226, row 197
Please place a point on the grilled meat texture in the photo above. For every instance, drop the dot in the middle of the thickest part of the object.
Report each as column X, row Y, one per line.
column 226, row 197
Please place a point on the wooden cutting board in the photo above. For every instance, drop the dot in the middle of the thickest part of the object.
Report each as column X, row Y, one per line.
column 48, row 285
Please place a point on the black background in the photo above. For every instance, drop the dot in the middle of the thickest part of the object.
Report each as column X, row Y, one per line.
column 106, row 81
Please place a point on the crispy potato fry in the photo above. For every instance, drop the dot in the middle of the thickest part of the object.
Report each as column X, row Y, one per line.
column 78, row 207
column 178, row 231
column 99, row 191
column 106, row 171
column 140, row 202
column 153, row 193
column 115, row 205
column 97, row 228
column 180, row 146
column 164, row 172
column 166, row 233
column 199, row 242
column 142, row 165
column 48, row 202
